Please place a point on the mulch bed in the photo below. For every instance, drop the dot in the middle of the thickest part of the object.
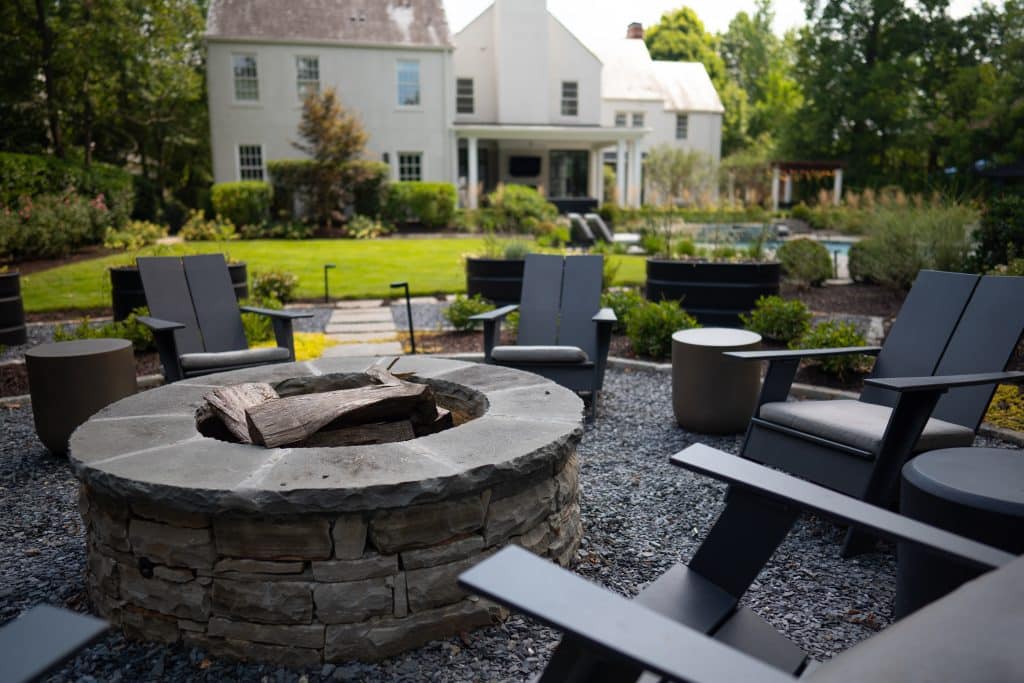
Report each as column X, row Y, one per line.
column 14, row 377
column 85, row 254
column 856, row 299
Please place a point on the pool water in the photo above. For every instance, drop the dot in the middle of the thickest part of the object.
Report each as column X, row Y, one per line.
column 843, row 248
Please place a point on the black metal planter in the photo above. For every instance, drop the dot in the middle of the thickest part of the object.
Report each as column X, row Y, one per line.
column 126, row 287
column 12, row 311
column 498, row 280
column 714, row 293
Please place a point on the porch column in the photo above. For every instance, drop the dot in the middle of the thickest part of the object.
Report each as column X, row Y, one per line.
column 597, row 175
column 787, row 189
column 775, row 188
column 472, row 180
column 837, row 188
column 620, row 171
column 635, row 174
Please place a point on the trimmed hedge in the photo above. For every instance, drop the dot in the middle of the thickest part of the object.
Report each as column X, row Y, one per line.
column 291, row 176
column 33, row 175
column 430, row 204
column 245, row 202
column 368, row 191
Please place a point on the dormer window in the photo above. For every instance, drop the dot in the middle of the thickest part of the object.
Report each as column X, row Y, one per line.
column 570, row 98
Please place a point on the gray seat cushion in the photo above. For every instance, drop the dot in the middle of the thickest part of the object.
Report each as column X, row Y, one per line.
column 858, row 424
column 227, row 359
column 972, row 634
column 539, row 354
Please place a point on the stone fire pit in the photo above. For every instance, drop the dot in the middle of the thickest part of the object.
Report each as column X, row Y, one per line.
column 304, row 555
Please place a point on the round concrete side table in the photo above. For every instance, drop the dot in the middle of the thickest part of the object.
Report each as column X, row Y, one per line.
column 69, row 381
column 712, row 393
column 973, row 492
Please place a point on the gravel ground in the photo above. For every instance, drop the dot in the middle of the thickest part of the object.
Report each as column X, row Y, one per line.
column 425, row 316
column 640, row 516
column 318, row 323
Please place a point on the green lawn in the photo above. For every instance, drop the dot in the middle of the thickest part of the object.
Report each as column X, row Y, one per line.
column 365, row 269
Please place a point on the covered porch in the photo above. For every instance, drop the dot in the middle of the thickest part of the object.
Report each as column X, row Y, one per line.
column 564, row 162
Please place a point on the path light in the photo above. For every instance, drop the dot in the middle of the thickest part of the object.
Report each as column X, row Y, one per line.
column 327, row 266
column 408, row 309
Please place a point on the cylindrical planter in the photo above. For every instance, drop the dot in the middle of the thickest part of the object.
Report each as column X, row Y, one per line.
column 126, row 291
column 714, row 293
column 12, row 311
column 498, row 280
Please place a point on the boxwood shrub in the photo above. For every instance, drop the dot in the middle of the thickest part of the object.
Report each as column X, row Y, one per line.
column 430, row 204
column 245, row 202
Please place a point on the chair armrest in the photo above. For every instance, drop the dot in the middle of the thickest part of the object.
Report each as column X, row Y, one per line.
column 274, row 313
column 605, row 315
column 159, row 325
column 496, row 314
column 804, row 353
column 943, row 382
column 609, row 623
column 777, row 485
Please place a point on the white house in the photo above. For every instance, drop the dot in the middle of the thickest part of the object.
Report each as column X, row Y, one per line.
column 514, row 98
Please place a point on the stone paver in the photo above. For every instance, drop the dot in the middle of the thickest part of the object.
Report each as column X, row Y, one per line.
column 363, row 328
column 391, row 348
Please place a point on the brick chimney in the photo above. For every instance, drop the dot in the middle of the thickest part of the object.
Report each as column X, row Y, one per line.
column 635, row 31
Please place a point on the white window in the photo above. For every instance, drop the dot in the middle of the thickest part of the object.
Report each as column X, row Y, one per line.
column 410, row 165
column 570, row 98
column 682, row 126
column 638, row 119
column 620, row 119
column 250, row 162
column 464, row 96
column 247, row 82
column 307, row 76
column 408, row 83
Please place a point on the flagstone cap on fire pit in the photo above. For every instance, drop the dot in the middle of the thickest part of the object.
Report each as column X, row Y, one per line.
column 147, row 447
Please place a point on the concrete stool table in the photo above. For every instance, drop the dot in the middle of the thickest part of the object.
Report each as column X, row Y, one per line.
column 70, row 381
column 712, row 393
column 974, row 492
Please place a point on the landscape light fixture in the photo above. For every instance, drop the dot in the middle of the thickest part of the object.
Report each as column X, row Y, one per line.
column 408, row 310
column 327, row 266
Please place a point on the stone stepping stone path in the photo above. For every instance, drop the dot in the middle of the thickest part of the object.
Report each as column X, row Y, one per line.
column 362, row 328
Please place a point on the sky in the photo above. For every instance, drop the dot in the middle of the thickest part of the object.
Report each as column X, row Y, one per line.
column 596, row 20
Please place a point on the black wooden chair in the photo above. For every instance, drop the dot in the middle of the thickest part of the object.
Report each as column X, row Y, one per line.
column 687, row 625
column 952, row 328
column 196, row 319
column 42, row 639
column 580, row 234
column 564, row 334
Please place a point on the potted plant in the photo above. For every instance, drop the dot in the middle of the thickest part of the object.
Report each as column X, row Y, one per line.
column 12, row 311
column 496, row 273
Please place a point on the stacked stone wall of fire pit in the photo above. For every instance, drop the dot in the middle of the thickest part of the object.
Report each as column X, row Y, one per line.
column 300, row 584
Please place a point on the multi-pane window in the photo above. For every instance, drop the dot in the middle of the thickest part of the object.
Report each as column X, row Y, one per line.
column 307, row 76
column 638, row 119
column 464, row 96
column 410, row 166
column 620, row 119
column 247, row 83
column 570, row 98
column 250, row 162
column 408, row 83
column 682, row 126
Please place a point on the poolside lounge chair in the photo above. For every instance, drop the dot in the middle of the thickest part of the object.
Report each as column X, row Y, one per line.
column 42, row 639
column 564, row 334
column 687, row 624
column 605, row 234
column 196, row 319
column 951, row 324
column 580, row 234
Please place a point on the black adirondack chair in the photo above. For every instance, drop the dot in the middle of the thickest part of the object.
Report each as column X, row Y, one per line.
column 687, row 625
column 951, row 325
column 580, row 234
column 564, row 334
column 42, row 639
column 196, row 319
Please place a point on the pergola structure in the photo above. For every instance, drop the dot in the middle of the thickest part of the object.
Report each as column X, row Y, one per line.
column 785, row 172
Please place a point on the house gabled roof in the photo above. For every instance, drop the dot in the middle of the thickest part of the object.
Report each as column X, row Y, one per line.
column 413, row 23
column 630, row 74
column 687, row 87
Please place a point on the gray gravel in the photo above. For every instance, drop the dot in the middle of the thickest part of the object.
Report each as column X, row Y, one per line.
column 640, row 516
column 318, row 323
column 425, row 316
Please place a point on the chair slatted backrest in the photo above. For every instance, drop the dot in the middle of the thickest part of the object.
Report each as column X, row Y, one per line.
column 599, row 227
column 921, row 332
column 168, row 298
column 540, row 300
column 213, row 299
column 579, row 230
column 984, row 341
column 581, row 300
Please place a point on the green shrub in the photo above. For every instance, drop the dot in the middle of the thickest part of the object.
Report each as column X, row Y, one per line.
column 281, row 230
column 552, row 235
column 516, row 250
column 685, row 248
column 830, row 335
column 801, row 212
column 134, row 235
column 650, row 326
column 622, row 301
column 519, row 208
column 199, row 229
column 364, row 227
column 858, row 262
column 245, row 202
column 130, row 328
column 368, row 192
column 1000, row 233
column 52, row 226
column 463, row 308
column 805, row 262
column 275, row 284
column 259, row 328
column 430, row 204
column 653, row 243
column 1014, row 267
column 777, row 318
